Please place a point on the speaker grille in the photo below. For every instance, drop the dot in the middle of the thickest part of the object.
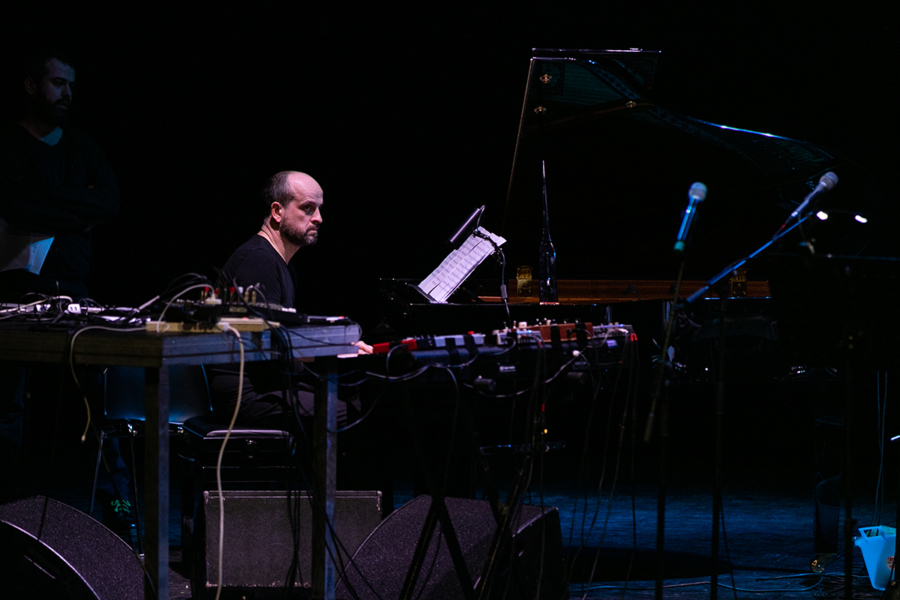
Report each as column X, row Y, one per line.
column 379, row 567
column 259, row 543
column 102, row 559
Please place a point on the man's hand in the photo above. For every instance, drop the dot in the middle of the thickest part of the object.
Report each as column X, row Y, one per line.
column 363, row 348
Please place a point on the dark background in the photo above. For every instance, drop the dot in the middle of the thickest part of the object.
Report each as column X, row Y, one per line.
column 407, row 115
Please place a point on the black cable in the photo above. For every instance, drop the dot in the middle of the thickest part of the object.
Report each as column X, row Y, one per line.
column 725, row 544
column 629, row 407
column 317, row 515
column 523, row 478
column 503, row 290
column 612, row 491
column 547, row 381
column 316, row 511
column 189, row 279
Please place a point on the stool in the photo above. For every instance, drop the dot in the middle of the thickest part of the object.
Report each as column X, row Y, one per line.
column 254, row 458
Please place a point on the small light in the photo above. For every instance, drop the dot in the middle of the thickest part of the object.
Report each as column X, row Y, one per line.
column 861, row 218
column 822, row 215
column 545, row 432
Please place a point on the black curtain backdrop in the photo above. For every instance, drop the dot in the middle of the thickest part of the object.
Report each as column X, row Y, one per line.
column 407, row 114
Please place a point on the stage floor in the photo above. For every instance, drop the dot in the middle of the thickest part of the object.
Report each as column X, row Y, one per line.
column 765, row 548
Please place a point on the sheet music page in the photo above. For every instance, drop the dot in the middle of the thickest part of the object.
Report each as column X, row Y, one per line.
column 21, row 249
column 459, row 265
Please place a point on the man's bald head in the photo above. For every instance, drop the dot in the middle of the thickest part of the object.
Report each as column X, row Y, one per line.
column 302, row 185
column 280, row 188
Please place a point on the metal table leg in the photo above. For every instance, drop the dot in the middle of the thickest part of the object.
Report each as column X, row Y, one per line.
column 325, row 447
column 156, row 479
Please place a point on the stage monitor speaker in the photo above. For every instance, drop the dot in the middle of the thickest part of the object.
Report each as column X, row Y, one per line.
column 379, row 568
column 51, row 550
column 259, row 542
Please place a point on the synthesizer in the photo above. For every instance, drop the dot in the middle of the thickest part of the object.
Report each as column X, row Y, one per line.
column 504, row 360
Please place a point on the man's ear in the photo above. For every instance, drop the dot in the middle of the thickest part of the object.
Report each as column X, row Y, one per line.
column 277, row 212
column 30, row 85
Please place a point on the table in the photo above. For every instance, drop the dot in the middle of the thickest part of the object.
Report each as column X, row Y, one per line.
column 156, row 352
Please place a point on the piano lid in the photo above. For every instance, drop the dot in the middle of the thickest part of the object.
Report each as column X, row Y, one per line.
column 618, row 168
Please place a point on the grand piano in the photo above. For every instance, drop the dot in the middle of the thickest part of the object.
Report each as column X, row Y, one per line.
column 617, row 168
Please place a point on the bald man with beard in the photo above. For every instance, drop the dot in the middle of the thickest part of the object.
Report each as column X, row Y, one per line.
column 293, row 214
column 293, row 203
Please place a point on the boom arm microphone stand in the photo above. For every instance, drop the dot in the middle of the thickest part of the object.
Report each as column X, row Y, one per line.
column 716, row 283
column 660, row 394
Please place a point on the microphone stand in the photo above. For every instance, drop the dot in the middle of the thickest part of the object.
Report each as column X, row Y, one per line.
column 719, row 451
column 661, row 398
column 716, row 282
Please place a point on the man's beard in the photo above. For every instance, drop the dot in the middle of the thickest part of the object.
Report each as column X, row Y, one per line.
column 294, row 236
column 52, row 112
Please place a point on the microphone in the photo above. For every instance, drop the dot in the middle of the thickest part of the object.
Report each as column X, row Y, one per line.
column 696, row 195
column 826, row 182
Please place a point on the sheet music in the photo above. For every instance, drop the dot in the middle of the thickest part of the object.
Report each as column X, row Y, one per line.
column 459, row 265
column 21, row 249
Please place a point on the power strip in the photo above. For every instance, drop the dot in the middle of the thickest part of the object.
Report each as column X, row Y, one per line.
column 224, row 324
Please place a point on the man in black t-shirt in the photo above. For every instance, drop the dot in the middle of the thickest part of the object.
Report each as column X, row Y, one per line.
column 293, row 203
column 54, row 183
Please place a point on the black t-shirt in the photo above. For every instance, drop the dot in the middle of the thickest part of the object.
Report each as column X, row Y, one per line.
column 257, row 262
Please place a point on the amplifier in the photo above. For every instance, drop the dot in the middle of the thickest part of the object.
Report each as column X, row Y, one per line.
column 259, row 535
